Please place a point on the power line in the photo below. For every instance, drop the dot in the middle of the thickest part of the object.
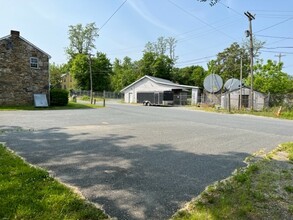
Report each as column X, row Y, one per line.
column 274, row 25
column 271, row 51
column 278, row 37
column 280, row 11
column 197, row 59
column 272, row 48
column 112, row 15
column 199, row 19
column 226, row 6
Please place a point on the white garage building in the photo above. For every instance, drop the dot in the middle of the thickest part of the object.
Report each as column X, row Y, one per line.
column 156, row 89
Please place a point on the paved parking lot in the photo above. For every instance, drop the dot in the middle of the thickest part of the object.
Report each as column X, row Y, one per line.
column 139, row 162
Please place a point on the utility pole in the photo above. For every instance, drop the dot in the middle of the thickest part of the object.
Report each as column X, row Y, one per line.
column 240, row 96
column 249, row 34
column 280, row 57
column 91, row 79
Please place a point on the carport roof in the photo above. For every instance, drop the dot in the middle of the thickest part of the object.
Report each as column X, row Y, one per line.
column 160, row 81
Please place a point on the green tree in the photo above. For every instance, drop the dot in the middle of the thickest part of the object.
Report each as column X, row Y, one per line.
column 163, row 46
column 227, row 63
column 191, row 75
column 80, row 71
column 81, row 39
column 155, row 65
column 101, row 71
column 257, row 45
column 124, row 73
column 56, row 72
column 269, row 78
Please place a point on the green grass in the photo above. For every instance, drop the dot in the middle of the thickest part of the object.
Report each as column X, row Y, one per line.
column 71, row 105
column 263, row 190
column 288, row 147
column 27, row 192
column 271, row 112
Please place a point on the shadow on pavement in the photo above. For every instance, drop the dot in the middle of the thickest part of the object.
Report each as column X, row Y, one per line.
column 128, row 181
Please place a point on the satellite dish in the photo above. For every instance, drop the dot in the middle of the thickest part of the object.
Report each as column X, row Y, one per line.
column 213, row 83
column 232, row 84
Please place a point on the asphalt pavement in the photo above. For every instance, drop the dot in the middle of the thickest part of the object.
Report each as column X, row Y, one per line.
column 139, row 162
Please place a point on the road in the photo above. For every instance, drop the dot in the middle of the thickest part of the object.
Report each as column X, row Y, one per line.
column 139, row 162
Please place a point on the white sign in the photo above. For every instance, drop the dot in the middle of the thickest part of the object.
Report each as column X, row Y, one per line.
column 40, row 100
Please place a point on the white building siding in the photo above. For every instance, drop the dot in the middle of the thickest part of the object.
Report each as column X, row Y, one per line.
column 145, row 85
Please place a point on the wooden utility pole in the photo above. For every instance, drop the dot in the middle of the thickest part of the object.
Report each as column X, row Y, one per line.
column 91, row 79
column 249, row 33
column 280, row 57
column 240, row 96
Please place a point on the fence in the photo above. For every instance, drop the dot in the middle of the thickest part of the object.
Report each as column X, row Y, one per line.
column 285, row 100
column 105, row 94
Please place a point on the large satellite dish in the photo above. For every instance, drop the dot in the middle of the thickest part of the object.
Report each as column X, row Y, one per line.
column 232, row 84
column 213, row 83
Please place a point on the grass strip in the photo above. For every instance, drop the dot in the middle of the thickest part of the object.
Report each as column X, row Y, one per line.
column 27, row 192
column 272, row 112
column 262, row 190
column 71, row 105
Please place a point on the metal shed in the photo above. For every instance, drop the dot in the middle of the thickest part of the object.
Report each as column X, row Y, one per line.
column 232, row 98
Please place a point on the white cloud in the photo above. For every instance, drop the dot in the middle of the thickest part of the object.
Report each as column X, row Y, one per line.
column 140, row 8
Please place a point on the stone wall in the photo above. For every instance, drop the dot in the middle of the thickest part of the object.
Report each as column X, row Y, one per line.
column 18, row 81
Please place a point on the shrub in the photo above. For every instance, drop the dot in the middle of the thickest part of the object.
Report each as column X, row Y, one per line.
column 85, row 98
column 58, row 97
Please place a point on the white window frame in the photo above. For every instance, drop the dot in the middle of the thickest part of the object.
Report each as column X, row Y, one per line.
column 34, row 62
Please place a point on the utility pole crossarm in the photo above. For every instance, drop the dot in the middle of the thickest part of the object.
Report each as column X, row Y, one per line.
column 249, row 15
column 280, row 57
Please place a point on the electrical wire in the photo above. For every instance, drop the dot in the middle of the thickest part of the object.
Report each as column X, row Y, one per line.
column 274, row 25
column 199, row 19
column 197, row 59
column 226, row 6
column 278, row 37
column 112, row 15
column 270, row 51
column 272, row 48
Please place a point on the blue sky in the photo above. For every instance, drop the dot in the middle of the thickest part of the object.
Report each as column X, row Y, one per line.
column 202, row 31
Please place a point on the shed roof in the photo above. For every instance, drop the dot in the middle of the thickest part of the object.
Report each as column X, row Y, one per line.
column 243, row 87
column 25, row 40
column 160, row 81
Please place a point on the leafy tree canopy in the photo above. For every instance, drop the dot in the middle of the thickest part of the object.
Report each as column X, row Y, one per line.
column 228, row 62
column 269, row 78
column 81, row 39
column 124, row 73
column 157, row 65
column 101, row 71
column 163, row 46
column 55, row 74
column 191, row 75
column 257, row 45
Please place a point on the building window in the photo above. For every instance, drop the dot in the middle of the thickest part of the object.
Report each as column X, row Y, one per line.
column 34, row 62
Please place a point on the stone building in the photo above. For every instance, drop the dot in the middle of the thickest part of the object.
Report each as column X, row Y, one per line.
column 68, row 82
column 24, row 70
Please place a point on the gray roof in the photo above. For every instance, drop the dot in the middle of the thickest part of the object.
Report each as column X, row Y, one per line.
column 25, row 40
column 160, row 81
